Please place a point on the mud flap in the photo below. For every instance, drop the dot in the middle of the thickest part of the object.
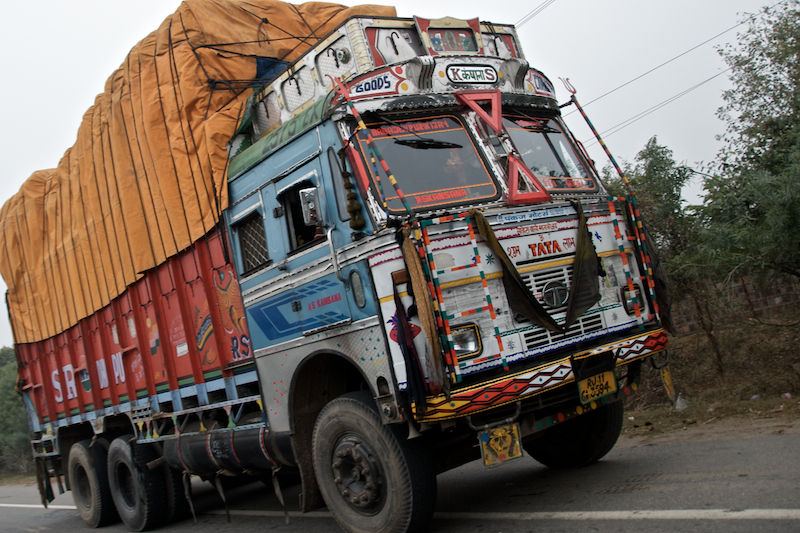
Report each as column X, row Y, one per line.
column 666, row 376
column 669, row 387
column 43, row 481
column 584, row 285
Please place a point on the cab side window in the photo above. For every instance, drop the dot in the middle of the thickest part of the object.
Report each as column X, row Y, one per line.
column 300, row 233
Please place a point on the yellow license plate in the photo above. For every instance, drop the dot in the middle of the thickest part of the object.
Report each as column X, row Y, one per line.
column 500, row 444
column 597, row 386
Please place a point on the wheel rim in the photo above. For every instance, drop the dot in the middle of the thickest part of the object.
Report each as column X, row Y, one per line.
column 358, row 475
column 127, row 487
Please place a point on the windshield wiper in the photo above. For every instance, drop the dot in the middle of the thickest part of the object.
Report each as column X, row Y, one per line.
column 426, row 144
column 420, row 143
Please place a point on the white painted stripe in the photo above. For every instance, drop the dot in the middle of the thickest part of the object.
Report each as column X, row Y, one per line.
column 35, row 506
column 665, row 514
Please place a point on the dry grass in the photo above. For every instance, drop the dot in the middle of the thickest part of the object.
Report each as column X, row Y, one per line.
column 761, row 364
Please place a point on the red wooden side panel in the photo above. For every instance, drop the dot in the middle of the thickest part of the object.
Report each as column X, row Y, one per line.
column 181, row 324
column 232, row 326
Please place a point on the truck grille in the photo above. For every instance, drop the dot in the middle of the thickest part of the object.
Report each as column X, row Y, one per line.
column 538, row 279
column 539, row 337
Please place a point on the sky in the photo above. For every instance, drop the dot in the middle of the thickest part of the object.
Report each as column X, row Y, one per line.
column 55, row 57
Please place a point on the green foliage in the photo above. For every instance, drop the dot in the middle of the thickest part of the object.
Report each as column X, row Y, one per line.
column 657, row 181
column 752, row 209
column 7, row 356
column 14, row 441
column 752, row 223
column 761, row 109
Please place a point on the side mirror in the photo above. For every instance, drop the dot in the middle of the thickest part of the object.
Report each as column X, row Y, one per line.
column 309, row 200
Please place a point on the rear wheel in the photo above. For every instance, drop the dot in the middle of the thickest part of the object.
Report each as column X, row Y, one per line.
column 177, row 505
column 371, row 477
column 579, row 442
column 138, row 492
column 86, row 470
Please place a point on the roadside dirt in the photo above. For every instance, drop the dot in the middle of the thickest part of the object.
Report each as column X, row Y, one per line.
column 646, row 428
column 757, row 391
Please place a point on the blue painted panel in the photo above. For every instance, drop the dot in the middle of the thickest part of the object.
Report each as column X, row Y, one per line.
column 370, row 307
column 316, row 304
column 329, row 137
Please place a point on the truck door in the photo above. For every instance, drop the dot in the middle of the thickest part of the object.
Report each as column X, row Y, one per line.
column 304, row 295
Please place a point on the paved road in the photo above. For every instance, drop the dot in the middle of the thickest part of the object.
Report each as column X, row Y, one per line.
column 738, row 476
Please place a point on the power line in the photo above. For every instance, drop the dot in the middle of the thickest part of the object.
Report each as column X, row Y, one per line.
column 668, row 61
column 627, row 122
column 533, row 12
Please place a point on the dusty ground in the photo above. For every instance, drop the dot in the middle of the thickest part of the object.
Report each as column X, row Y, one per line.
column 758, row 389
column 660, row 425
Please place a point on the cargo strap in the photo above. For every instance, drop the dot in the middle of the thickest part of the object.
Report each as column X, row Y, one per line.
column 433, row 365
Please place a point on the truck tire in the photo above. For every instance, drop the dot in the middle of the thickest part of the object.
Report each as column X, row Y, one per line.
column 138, row 492
column 371, row 478
column 579, row 442
column 177, row 507
column 86, row 470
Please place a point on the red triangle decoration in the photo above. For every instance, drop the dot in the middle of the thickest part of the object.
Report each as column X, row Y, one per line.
column 473, row 99
column 515, row 167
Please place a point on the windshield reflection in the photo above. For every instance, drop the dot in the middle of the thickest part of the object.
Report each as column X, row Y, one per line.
column 433, row 160
column 548, row 153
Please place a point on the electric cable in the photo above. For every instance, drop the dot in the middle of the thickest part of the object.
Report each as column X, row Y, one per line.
column 627, row 122
column 533, row 12
column 668, row 61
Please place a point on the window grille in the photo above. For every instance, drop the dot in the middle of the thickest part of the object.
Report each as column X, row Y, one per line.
column 252, row 243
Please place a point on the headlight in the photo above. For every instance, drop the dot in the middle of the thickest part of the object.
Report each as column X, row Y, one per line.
column 628, row 297
column 466, row 341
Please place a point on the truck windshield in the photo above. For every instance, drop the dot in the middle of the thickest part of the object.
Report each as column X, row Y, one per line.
column 433, row 160
column 548, row 153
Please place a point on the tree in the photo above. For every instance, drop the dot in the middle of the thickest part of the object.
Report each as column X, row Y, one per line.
column 657, row 181
column 7, row 356
column 761, row 109
column 752, row 208
column 14, row 441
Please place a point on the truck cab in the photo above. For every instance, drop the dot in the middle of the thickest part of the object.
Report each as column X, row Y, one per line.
column 423, row 245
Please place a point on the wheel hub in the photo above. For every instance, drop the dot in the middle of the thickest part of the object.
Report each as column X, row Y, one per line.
column 357, row 474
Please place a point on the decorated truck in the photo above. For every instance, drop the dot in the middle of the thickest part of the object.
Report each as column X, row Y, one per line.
column 327, row 241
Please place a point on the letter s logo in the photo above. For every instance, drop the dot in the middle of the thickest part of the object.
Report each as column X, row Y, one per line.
column 56, row 386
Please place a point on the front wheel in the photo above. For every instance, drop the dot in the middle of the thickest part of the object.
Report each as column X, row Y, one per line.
column 371, row 477
column 579, row 442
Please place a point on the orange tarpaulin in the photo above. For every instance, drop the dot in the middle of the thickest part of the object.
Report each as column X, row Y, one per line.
column 146, row 175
